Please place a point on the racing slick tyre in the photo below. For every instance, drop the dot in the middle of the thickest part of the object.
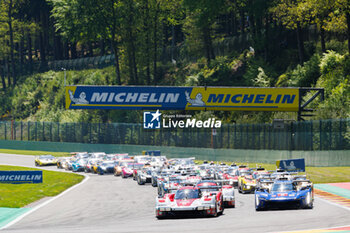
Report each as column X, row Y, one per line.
column 154, row 183
column 36, row 164
column 222, row 207
column 240, row 188
column 309, row 203
column 160, row 193
column 257, row 201
column 123, row 176
column 139, row 181
column 216, row 212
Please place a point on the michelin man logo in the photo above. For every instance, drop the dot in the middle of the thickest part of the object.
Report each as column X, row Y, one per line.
column 291, row 166
column 197, row 101
column 80, row 100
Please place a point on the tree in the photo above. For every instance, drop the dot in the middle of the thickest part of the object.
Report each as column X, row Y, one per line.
column 295, row 15
column 89, row 20
column 338, row 20
column 12, row 27
column 205, row 13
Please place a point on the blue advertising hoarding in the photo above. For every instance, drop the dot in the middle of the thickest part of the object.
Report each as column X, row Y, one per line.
column 182, row 98
column 21, row 177
column 291, row 165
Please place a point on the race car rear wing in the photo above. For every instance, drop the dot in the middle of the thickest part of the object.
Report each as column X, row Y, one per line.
column 222, row 182
column 264, row 185
column 300, row 177
column 303, row 184
column 302, row 181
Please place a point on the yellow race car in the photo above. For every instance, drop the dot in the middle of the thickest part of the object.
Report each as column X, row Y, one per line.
column 247, row 179
column 246, row 182
column 44, row 160
column 95, row 166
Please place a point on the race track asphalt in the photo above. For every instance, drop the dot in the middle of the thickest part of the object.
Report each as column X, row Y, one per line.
column 112, row 204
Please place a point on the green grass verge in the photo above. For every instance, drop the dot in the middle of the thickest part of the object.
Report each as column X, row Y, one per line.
column 20, row 195
column 33, row 152
column 317, row 175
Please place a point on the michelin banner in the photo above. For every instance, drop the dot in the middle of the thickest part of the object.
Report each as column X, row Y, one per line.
column 182, row 98
column 21, row 177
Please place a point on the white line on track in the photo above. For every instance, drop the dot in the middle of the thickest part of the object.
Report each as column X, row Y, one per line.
column 16, row 155
column 44, row 203
column 333, row 203
column 308, row 230
column 329, row 202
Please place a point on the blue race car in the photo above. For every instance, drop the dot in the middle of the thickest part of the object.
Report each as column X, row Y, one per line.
column 106, row 167
column 79, row 165
column 285, row 194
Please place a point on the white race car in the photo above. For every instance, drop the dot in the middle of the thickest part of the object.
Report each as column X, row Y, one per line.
column 189, row 200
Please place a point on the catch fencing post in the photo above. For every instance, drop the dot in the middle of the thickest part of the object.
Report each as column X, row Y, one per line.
column 320, row 129
column 340, row 142
column 235, row 136
column 14, row 130
column 90, row 131
column 330, row 135
column 81, row 132
column 28, row 127
column 36, row 131
column 311, row 136
column 74, row 136
column 51, row 131
column 58, row 132
column 21, row 130
column 291, row 147
column 222, row 137
column 228, row 136
column 98, row 134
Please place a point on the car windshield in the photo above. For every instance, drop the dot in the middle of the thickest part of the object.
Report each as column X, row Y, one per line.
column 106, row 164
column 143, row 159
column 185, row 162
column 282, row 187
column 244, row 173
column 187, row 194
column 47, row 157
column 123, row 164
column 138, row 166
column 82, row 161
column 232, row 172
column 209, row 189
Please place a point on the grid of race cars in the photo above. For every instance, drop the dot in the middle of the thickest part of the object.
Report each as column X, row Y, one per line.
column 187, row 188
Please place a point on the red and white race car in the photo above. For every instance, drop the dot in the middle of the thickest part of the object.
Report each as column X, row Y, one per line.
column 189, row 200
column 212, row 186
column 231, row 175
